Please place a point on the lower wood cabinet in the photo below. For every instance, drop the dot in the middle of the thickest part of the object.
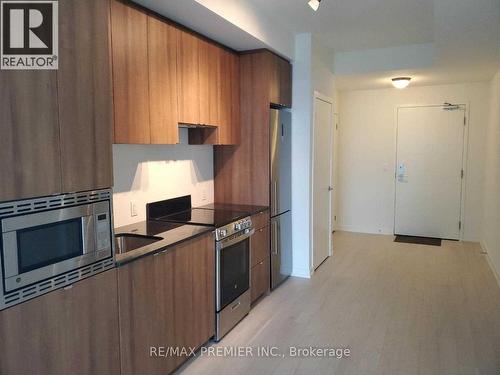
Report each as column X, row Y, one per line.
column 259, row 246
column 68, row 331
column 260, row 279
column 260, row 252
column 166, row 301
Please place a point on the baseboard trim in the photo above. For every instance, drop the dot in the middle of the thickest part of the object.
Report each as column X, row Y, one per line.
column 484, row 249
column 354, row 229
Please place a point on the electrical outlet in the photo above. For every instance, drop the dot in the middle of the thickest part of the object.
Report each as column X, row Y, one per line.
column 133, row 208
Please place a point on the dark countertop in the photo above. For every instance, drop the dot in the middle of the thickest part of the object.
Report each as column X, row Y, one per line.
column 172, row 234
column 246, row 208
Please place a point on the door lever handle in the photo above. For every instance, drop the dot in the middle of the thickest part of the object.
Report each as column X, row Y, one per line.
column 330, row 188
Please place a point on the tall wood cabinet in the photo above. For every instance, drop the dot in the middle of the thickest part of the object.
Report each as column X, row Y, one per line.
column 56, row 125
column 68, row 331
column 166, row 300
column 242, row 172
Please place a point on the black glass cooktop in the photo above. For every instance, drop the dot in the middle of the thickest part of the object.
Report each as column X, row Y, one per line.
column 179, row 210
column 202, row 216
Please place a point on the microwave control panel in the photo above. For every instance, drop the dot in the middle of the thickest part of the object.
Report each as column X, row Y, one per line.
column 102, row 226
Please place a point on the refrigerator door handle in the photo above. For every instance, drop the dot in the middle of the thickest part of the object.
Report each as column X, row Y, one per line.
column 275, row 198
column 278, row 239
column 274, row 234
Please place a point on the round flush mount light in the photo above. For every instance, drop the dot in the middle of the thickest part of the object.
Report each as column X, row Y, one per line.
column 401, row 82
column 314, row 4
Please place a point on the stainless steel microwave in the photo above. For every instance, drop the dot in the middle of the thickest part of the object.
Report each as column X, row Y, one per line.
column 69, row 239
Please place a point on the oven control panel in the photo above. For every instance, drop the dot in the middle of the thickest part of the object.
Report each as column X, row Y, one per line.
column 233, row 228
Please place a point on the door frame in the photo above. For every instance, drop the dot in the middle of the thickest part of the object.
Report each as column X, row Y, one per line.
column 327, row 99
column 465, row 158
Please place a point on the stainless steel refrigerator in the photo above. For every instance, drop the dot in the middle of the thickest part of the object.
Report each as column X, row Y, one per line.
column 281, row 196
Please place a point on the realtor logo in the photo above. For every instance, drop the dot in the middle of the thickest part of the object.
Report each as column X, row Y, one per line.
column 29, row 39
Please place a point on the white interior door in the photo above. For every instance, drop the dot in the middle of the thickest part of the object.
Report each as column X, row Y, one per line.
column 430, row 151
column 322, row 175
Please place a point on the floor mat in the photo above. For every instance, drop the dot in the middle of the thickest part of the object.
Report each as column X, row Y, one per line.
column 418, row 240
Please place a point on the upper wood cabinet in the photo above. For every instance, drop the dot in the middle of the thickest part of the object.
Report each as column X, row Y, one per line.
column 285, row 83
column 280, row 80
column 178, row 311
column 29, row 141
column 162, row 51
column 188, row 60
column 209, row 82
column 68, row 331
column 129, row 28
column 85, row 95
column 165, row 77
column 198, row 80
column 229, row 103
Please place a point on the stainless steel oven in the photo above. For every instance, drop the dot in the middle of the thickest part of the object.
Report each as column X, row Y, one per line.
column 232, row 275
column 51, row 242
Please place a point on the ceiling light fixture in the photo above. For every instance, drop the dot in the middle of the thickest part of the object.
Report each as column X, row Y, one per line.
column 401, row 82
column 314, row 4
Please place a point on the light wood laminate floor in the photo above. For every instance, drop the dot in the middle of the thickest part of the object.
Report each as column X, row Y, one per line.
column 400, row 308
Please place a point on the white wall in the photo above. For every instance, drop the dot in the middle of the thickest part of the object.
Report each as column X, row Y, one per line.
column 312, row 71
column 301, row 154
column 153, row 172
column 367, row 153
column 491, row 221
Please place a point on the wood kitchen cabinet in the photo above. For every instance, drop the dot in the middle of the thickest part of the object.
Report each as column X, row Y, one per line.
column 242, row 172
column 129, row 28
column 188, row 61
column 56, row 126
column 166, row 300
column 29, row 141
column 260, row 246
column 280, row 79
column 84, row 86
column 260, row 252
column 209, row 82
column 162, row 59
column 229, row 103
column 69, row 331
column 285, row 83
column 165, row 76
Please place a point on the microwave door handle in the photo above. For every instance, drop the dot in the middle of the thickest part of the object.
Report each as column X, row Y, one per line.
column 88, row 231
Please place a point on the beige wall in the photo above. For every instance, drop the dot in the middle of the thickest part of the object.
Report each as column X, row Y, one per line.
column 491, row 221
column 367, row 153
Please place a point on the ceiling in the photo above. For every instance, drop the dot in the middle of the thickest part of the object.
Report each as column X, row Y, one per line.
column 434, row 41
column 347, row 25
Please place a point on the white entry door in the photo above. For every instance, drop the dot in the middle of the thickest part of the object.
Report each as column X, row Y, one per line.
column 429, row 171
column 322, row 180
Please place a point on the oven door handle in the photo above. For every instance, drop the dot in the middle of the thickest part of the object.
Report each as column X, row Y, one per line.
column 230, row 242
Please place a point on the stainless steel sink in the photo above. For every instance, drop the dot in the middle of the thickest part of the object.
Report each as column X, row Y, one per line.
column 126, row 242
